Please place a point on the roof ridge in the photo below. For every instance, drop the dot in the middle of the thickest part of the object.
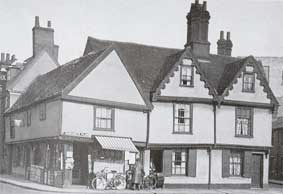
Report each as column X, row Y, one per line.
column 132, row 43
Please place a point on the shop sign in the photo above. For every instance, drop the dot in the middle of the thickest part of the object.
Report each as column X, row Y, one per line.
column 77, row 134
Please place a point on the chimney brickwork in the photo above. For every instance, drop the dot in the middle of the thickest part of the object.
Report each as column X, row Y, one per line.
column 224, row 46
column 43, row 39
column 197, row 32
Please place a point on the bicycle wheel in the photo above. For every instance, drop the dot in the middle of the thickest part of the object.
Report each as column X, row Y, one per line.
column 98, row 183
column 119, row 182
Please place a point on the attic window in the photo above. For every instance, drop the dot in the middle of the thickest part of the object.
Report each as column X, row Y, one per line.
column 187, row 73
column 249, row 80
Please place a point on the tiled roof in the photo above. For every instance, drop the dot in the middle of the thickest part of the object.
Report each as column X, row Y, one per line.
column 147, row 65
column 53, row 82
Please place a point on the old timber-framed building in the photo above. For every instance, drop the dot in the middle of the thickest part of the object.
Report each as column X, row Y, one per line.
column 203, row 120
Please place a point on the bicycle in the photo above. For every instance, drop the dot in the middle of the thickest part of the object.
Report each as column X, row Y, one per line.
column 101, row 180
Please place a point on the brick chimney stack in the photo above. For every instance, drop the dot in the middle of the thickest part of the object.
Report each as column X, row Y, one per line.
column 221, row 44
column 224, row 47
column 197, row 32
column 43, row 39
column 229, row 45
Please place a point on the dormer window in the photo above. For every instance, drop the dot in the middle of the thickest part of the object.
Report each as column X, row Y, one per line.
column 187, row 73
column 249, row 80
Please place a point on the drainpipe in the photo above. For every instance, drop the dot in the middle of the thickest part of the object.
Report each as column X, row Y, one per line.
column 147, row 129
column 209, row 167
column 214, row 124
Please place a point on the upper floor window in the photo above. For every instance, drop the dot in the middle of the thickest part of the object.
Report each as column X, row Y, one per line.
column 249, row 79
column 28, row 114
column 282, row 78
column 179, row 161
column 187, row 73
column 103, row 118
column 266, row 72
column 244, row 121
column 7, row 100
column 235, row 164
column 12, row 127
column 42, row 111
column 183, row 118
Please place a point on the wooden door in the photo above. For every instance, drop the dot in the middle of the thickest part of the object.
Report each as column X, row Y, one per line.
column 257, row 170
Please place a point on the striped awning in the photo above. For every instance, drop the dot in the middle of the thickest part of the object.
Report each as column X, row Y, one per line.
column 116, row 143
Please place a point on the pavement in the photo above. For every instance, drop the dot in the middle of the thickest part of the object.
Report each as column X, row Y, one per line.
column 10, row 184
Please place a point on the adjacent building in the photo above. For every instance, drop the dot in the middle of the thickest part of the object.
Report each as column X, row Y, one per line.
column 201, row 119
column 43, row 60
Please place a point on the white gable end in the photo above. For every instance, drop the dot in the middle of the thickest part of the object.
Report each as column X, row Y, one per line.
column 41, row 65
column 109, row 81
column 237, row 94
column 173, row 88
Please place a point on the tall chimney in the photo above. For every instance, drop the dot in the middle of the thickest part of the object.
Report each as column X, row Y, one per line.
column 43, row 39
column 229, row 45
column 197, row 29
column 221, row 44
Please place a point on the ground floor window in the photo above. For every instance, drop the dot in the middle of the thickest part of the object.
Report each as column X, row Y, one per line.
column 235, row 164
column 179, row 160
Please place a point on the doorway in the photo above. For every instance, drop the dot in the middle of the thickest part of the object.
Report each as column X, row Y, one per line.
column 257, row 170
column 80, row 169
column 156, row 158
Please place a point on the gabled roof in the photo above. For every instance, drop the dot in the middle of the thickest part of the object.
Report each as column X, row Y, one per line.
column 52, row 83
column 28, row 63
column 148, row 66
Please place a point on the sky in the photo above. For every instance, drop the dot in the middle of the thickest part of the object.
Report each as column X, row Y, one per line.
column 255, row 25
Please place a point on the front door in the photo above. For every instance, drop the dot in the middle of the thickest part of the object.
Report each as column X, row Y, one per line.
column 257, row 170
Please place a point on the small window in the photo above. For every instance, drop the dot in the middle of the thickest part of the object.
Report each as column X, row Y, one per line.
column 28, row 115
column 266, row 72
column 103, row 118
column 182, row 118
column 42, row 111
column 187, row 73
column 244, row 118
column 7, row 100
column 179, row 161
column 282, row 78
column 12, row 127
column 248, row 82
column 235, row 164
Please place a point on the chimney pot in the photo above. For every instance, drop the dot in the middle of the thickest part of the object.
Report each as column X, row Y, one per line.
column 196, row 2
column 221, row 35
column 49, row 24
column 7, row 57
column 204, row 6
column 36, row 23
column 2, row 57
column 228, row 36
column 13, row 59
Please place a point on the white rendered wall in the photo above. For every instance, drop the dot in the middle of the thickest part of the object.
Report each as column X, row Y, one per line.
column 216, row 171
column 78, row 118
column 202, row 172
column 258, row 96
column 262, row 127
column 173, row 87
column 111, row 81
column 161, row 125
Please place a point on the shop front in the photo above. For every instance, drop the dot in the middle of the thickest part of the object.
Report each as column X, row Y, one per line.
column 64, row 162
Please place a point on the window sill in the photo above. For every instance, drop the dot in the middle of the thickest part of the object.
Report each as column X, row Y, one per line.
column 244, row 136
column 103, row 129
column 186, row 86
column 183, row 133
column 247, row 91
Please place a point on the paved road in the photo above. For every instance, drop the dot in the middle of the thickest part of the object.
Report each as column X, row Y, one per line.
column 11, row 189
column 274, row 189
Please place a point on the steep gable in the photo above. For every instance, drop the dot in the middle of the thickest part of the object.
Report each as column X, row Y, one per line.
column 110, row 81
column 262, row 92
column 170, row 83
column 39, row 65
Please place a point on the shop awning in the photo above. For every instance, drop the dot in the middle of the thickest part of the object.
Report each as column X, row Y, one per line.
column 116, row 143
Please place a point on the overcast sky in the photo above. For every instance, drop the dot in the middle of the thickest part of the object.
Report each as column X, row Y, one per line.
column 256, row 25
